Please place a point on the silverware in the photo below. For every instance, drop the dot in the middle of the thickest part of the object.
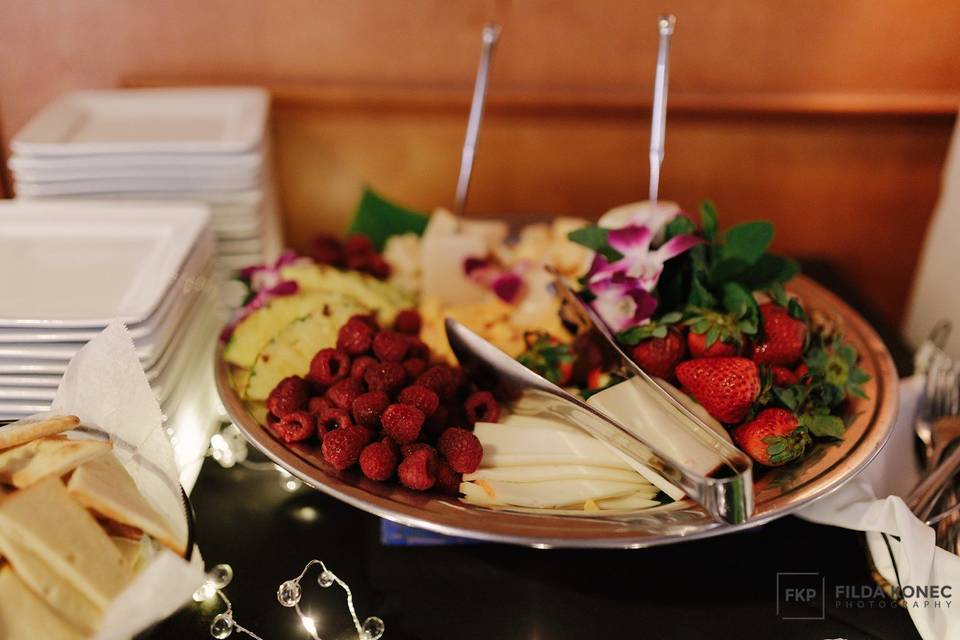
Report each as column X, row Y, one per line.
column 658, row 125
column 491, row 33
column 726, row 494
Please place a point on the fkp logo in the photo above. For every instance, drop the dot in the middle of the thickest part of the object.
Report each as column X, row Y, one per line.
column 801, row 596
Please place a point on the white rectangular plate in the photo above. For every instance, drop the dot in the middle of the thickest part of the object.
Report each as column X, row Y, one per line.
column 81, row 264
column 207, row 120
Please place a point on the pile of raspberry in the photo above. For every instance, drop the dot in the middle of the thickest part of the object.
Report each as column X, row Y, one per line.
column 377, row 400
column 356, row 253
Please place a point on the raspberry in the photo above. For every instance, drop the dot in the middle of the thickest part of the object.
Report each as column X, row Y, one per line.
column 408, row 321
column 420, row 397
column 418, row 470
column 437, row 423
column 448, row 480
column 328, row 367
column 359, row 244
column 378, row 461
column 407, row 449
column 414, row 366
column 368, row 407
column 390, row 346
column 385, row 376
column 327, row 249
column 341, row 447
column 318, row 404
column 372, row 263
column 332, row 418
column 360, row 365
column 481, row 406
column 290, row 394
column 417, row 348
column 462, row 449
column 355, row 336
column 368, row 319
column 295, row 426
column 345, row 392
column 442, row 379
column 402, row 422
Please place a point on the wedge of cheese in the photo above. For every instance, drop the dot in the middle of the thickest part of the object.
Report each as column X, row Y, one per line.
column 72, row 605
column 28, row 463
column 46, row 521
column 105, row 487
column 24, row 616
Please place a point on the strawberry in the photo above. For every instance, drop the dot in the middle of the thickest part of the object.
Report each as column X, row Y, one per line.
column 726, row 387
column 784, row 336
column 659, row 356
column 714, row 334
column 773, row 438
column 784, row 377
column 697, row 344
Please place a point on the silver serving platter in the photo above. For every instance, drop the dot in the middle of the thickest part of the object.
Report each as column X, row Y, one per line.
column 778, row 492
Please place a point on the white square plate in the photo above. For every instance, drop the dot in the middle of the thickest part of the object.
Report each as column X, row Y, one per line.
column 204, row 120
column 81, row 264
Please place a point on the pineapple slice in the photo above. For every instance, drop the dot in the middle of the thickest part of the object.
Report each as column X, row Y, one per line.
column 290, row 352
column 385, row 298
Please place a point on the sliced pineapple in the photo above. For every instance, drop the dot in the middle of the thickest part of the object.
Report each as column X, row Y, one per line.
column 385, row 298
column 260, row 327
column 290, row 352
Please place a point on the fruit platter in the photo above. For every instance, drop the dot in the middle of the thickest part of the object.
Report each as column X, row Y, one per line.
column 338, row 368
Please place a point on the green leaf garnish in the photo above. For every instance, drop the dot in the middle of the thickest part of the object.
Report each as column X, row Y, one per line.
column 378, row 219
column 747, row 241
column 594, row 237
column 708, row 220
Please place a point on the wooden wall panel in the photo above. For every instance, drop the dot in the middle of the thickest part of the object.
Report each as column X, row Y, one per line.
column 830, row 117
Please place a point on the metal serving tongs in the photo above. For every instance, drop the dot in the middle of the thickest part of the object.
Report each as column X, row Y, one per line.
column 726, row 493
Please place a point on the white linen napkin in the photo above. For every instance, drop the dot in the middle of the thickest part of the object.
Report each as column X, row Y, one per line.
column 872, row 502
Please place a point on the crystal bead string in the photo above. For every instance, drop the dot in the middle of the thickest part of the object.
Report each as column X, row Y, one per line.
column 289, row 594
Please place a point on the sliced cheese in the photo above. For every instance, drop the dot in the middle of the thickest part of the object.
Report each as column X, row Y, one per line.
column 24, row 616
column 72, row 605
column 635, row 405
column 31, row 462
column 104, row 486
column 548, row 494
column 557, row 472
column 44, row 519
column 632, row 502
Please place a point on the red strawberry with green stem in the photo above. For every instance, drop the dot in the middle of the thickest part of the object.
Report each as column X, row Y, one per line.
column 774, row 438
column 659, row 356
column 784, row 334
column 725, row 387
column 714, row 334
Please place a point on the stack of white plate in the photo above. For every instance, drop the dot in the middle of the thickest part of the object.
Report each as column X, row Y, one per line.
column 70, row 268
column 208, row 145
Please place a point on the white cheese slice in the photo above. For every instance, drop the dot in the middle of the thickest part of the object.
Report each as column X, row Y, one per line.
column 634, row 404
column 541, row 495
column 557, row 472
column 633, row 502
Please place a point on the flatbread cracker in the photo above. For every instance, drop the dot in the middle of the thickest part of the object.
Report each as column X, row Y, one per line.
column 31, row 462
column 24, row 616
column 22, row 432
column 48, row 522
column 59, row 595
column 104, row 486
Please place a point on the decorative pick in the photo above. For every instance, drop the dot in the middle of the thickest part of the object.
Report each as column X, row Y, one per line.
column 659, row 122
column 491, row 33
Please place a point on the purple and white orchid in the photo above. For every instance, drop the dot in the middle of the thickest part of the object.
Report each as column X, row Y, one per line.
column 624, row 288
column 265, row 282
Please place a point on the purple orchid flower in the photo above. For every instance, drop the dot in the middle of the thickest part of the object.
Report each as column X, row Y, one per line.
column 622, row 302
column 639, row 261
column 508, row 285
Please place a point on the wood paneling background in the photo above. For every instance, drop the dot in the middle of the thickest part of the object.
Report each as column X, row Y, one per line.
column 830, row 117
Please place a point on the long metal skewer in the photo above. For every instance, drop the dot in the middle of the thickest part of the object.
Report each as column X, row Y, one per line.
column 491, row 33
column 659, row 120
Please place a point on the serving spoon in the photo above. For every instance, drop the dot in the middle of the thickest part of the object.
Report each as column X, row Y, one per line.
column 726, row 494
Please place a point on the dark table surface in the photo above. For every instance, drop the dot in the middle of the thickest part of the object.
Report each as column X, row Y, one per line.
column 724, row 587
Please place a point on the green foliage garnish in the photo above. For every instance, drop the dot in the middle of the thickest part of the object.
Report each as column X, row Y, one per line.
column 378, row 219
column 594, row 237
column 653, row 329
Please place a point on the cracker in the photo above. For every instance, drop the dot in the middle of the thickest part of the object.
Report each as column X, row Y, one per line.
column 22, row 432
